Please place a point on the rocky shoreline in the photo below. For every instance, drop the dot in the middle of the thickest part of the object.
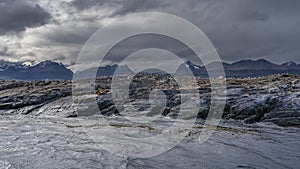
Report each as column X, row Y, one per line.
column 273, row 98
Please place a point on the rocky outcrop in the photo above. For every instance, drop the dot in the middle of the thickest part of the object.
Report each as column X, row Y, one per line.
column 273, row 99
column 15, row 94
column 266, row 99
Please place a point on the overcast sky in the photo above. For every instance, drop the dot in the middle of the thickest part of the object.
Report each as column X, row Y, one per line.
column 37, row 30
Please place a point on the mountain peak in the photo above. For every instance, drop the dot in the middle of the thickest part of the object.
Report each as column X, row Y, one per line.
column 262, row 60
column 260, row 64
column 290, row 63
column 49, row 63
column 41, row 71
column 244, row 68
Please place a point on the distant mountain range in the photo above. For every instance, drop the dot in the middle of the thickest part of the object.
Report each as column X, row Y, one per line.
column 57, row 71
column 108, row 70
column 243, row 68
column 42, row 71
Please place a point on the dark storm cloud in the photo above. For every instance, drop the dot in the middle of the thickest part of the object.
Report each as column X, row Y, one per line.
column 239, row 29
column 16, row 15
column 71, row 34
column 85, row 4
column 129, row 6
column 133, row 44
column 78, row 34
column 126, row 6
column 247, row 29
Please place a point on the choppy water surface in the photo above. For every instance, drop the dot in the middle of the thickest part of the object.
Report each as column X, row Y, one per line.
column 49, row 142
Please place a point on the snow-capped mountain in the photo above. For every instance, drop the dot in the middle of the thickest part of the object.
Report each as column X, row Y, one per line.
column 57, row 71
column 243, row 68
column 6, row 66
column 41, row 71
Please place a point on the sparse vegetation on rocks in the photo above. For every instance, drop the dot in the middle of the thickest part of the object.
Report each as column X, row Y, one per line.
column 273, row 98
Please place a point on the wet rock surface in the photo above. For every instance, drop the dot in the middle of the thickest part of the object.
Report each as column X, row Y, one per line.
column 19, row 94
column 41, row 128
column 31, row 142
column 268, row 99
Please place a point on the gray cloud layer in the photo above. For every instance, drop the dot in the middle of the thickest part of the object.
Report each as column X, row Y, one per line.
column 16, row 15
column 239, row 29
